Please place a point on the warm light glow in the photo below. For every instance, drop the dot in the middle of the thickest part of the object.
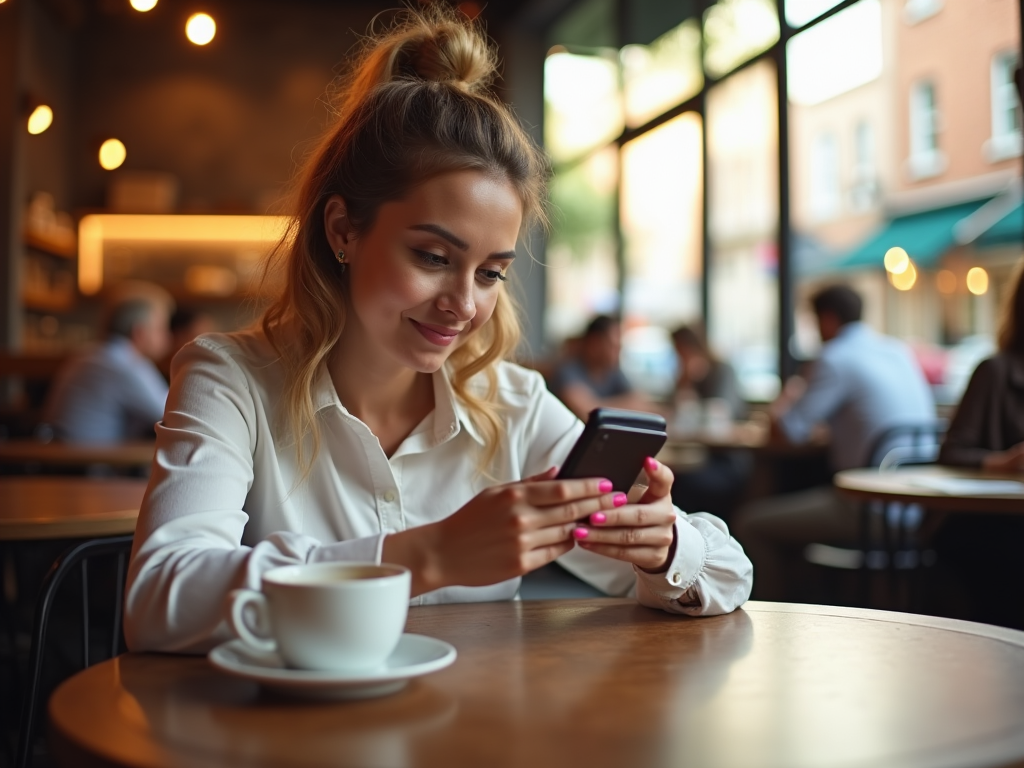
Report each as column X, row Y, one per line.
column 40, row 119
column 103, row 229
column 143, row 5
column 112, row 154
column 200, row 28
column 904, row 281
column 896, row 261
column 977, row 281
column 945, row 281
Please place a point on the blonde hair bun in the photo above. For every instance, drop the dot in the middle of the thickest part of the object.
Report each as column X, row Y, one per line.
column 436, row 44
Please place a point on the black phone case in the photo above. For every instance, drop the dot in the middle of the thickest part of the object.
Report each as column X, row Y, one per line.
column 613, row 445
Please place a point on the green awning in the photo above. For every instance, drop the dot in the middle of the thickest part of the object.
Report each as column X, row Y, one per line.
column 925, row 236
column 1007, row 231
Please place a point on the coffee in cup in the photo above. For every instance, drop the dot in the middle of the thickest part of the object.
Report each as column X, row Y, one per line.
column 337, row 617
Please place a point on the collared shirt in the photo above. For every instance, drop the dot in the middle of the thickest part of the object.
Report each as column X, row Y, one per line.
column 226, row 501
column 109, row 394
column 862, row 384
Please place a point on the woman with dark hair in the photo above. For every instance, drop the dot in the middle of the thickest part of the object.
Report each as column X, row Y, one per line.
column 982, row 553
column 372, row 415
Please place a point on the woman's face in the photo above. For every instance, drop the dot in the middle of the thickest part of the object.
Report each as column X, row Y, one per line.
column 427, row 274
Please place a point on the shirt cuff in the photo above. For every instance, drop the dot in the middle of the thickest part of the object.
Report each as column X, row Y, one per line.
column 683, row 570
column 365, row 550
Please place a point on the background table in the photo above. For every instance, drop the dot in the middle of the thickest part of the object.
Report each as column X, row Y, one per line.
column 599, row 682
column 68, row 507
column 899, row 485
column 57, row 454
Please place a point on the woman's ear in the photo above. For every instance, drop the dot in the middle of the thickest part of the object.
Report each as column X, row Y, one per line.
column 337, row 226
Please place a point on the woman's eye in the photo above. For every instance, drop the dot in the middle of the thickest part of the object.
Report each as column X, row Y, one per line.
column 432, row 259
column 492, row 275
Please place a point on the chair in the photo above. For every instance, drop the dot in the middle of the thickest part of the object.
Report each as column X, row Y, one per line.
column 888, row 531
column 75, row 558
column 25, row 380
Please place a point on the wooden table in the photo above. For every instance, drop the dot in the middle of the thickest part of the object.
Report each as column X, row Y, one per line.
column 902, row 484
column 601, row 682
column 58, row 454
column 68, row 507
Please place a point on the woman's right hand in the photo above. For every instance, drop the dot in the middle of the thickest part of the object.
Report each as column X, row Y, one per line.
column 503, row 532
column 1011, row 460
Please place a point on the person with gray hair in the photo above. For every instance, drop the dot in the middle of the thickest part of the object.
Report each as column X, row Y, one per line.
column 115, row 392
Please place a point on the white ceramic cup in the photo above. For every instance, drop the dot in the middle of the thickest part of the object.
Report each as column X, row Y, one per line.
column 325, row 616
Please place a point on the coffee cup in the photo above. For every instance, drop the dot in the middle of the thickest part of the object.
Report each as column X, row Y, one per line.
column 325, row 616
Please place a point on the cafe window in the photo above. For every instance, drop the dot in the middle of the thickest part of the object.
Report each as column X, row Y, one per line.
column 825, row 193
column 925, row 157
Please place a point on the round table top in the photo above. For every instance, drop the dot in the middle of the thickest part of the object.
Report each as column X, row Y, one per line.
column 58, row 454
column 949, row 489
column 43, row 507
column 600, row 682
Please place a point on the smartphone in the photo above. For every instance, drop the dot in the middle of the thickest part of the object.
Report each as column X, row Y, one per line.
column 614, row 445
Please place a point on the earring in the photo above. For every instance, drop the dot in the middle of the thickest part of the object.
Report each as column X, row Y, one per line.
column 341, row 259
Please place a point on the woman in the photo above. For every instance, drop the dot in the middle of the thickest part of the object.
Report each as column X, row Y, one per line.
column 981, row 553
column 371, row 416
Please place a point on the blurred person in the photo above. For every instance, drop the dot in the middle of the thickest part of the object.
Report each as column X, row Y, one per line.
column 591, row 377
column 185, row 325
column 115, row 392
column 371, row 415
column 981, row 553
column 704, row 379
column 862, row 384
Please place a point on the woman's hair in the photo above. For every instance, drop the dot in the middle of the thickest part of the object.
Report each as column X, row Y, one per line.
column 415, row 104
column 1011, row 323
column 692, row 336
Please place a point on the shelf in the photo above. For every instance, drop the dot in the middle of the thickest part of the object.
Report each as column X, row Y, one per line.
column 53, row 247
column 40, row 301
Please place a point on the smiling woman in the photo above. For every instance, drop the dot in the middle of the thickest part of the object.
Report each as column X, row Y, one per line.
column 373, row 415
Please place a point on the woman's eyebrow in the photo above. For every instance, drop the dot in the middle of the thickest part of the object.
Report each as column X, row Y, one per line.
column 457, row 241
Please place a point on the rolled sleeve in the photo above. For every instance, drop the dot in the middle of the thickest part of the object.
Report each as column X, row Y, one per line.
column 709, row 574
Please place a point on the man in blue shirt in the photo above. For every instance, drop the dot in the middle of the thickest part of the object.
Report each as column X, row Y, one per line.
column 115, row 392
column 862, row 384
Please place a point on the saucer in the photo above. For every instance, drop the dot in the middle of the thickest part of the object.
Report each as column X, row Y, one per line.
column 415, row 655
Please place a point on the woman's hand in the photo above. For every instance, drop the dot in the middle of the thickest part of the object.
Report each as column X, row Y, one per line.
column 503, row 532
column 1011, row 460
column 640, row 533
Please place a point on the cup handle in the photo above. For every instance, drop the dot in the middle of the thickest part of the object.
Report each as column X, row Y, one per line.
column 240, row 600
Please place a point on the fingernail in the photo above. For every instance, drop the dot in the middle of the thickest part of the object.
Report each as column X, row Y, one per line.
column 597, row 518
column 606, row 485
column 581, row 533
column 620, row 498
column 650, row 463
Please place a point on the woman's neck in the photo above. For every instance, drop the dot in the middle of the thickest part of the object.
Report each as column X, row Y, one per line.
column 389, row 398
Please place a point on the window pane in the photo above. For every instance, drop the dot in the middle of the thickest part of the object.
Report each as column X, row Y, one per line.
column 582, row 275
column 737, row 30
column 914, row 127
column 799, row 12
column 660, row 75
column 742, row 135
column 582, row 102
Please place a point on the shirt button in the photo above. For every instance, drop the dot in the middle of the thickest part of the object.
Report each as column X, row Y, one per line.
column 676, row 578
column 390, row 495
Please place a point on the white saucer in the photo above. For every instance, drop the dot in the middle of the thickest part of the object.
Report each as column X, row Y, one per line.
column 415, row 655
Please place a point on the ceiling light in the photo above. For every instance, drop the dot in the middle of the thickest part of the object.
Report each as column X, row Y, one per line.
column 200, row 28
column 40, row 119
column 112, row 154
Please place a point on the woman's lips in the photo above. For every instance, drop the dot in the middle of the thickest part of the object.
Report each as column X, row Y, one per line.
column 436, row 334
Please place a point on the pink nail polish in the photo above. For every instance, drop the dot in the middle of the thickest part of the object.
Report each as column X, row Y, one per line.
column 605, row 485
column 580, row 533
column 620, row 498
column 597, row 518
column 651, row 463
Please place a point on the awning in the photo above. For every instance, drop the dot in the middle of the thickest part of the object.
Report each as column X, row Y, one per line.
column 925, row 236
column 1006, row 231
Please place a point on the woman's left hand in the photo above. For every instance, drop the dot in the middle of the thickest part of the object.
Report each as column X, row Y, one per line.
column 640, row 533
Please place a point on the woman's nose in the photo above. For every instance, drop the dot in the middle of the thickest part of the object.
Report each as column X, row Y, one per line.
column 458, row 299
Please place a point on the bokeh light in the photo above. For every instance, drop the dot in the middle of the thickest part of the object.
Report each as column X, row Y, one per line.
column 977, row 281
column 904, row 281
column 40, row 119
column 896, row 261
column 112, row 154
column 200, row 28
column 143, row 5
column 945, row 281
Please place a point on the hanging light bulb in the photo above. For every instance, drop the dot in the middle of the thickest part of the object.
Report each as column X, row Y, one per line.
column 40, row 119
column 200, row 28
column 112, row 154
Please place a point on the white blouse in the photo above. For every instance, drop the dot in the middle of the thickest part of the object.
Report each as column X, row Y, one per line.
column 225, row 502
